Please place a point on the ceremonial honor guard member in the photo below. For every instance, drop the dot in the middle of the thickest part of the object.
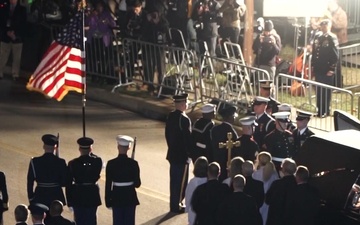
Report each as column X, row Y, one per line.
column 219, row 134
column 4, row 198
column 280, row 142
column 265, row 122
column 266, row 90
column 201, row 142
column 38, row 213
column 50, row 173
column 178, row 139
column 248, row 148
column 324, row 59
column 122, row 177
column 82, row 191
column 302, row 132
column 284, row 107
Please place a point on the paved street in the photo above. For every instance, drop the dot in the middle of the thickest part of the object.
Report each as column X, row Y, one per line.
column 25, row 116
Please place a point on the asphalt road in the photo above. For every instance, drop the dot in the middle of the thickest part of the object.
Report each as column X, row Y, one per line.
column 25, row 116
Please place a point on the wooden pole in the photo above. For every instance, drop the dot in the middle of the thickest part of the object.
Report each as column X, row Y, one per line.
column 249, row 32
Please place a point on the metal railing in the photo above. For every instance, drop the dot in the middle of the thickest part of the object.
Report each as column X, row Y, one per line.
column 350, row 65
column 304, row 94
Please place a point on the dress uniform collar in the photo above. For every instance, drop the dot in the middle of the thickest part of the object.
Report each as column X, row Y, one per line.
column 302, row 131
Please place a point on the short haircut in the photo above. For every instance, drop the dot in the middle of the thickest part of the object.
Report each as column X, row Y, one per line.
column 289, row 166
column 302, row 173
column 201, row 166
column 213, row 169
column 21, row 213
column 236, row 166
column 56, row 208
column 247, row 168
column 239, row 182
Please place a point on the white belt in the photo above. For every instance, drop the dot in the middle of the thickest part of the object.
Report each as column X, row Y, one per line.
column 277, row 159
column 122, row 184
column 200, row 145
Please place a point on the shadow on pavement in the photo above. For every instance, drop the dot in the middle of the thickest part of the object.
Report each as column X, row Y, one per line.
column 160, row 219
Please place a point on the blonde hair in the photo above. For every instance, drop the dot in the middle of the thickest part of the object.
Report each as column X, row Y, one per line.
column 264, row 161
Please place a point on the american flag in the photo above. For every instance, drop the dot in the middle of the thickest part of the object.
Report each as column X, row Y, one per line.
column 63, row 65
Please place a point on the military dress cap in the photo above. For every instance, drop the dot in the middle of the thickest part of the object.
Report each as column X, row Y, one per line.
column 85, row 142
column 180, row 98
column 248, row 121
column 266, row 84
column 258, row 100
column 284, row 107
column 49, row 139
column 208, row 108
column 124, row 140
column 301, row 115
column 282, row 116
column 227, row 110
column 38, row 208
column 240, row 2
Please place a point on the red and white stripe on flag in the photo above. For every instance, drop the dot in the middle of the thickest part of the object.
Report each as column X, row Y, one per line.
column 60, row 71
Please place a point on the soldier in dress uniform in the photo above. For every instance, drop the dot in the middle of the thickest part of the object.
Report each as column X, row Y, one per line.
column 201, row 142
column 325, row 55
column 38, row 213
column 178, row 139
column 50, row 173
column 122, row 177
column 56, row 209
column 4, row 198
column 265, row 122
column 302, row 132
column 280, row 142
column 248, row 148
column 82, row 191
column 285, row 107
column 219, row 134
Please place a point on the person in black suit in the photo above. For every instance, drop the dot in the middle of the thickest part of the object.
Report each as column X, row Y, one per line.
column 82, row 191
column 304, row 202
column 265, row 122
column 4, row 200
column 248, row 148
column 219, row 134
column 238, row 208
column 122, row 177
column 21, row 213
column 302, row 132
column 208, row 196
column 278, row 192
column 50, row 173
column 254, row 188
column 56, row 208
column 200, row 135
column 325, row 56
column 178, row 139
column 12, row 31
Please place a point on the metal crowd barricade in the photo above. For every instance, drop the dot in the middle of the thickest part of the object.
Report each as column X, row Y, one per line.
column 350, row 69
column 159, row 68
column 228, row 81
column 302, row 94
column 102, row 59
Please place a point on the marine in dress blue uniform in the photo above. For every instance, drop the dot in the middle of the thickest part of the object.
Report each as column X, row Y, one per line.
column 265, row 122
column 178, row 139
column 38, row 213
column 219, row 134
column 248, row 148
column 50, row 173
column 285, row 107
column 200, row 135
column 280, row 142
column 122, row 178
column 302, row 132
column 82, row 191
column 325, row 56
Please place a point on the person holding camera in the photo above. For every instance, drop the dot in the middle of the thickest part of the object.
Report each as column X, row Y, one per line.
column 232, row 11
column 267, row 46
column 205, row 15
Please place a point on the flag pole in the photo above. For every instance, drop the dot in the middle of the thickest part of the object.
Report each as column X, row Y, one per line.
column 82, row 8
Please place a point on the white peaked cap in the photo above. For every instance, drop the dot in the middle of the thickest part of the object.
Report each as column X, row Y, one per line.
column 208, row 108
column 124, row 140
